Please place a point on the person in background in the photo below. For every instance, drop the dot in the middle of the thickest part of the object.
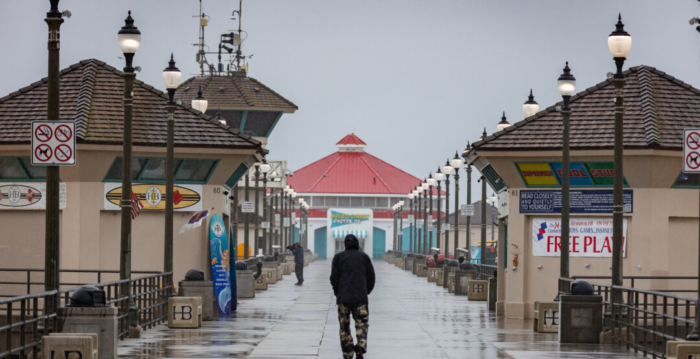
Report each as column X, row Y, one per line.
column 298, row 252
column 352, row 278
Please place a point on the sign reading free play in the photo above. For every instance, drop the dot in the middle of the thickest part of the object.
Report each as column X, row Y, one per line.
column 581, row 174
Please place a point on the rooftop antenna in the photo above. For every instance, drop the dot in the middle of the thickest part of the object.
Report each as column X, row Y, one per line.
column 236, row 39
column 201, row 52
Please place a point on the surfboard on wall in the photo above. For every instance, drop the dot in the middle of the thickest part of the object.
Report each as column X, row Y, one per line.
column 220, row 265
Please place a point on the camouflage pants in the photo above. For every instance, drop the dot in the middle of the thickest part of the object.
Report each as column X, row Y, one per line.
column 360, row 313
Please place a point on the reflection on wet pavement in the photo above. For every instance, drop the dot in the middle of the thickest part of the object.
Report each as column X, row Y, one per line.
column 409, row 318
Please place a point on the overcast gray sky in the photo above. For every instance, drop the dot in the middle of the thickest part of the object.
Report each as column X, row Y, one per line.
column 414, row 79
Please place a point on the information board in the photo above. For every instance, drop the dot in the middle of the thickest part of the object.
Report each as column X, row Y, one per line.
column 581, row 201
column 248, row 207
column 467, row 210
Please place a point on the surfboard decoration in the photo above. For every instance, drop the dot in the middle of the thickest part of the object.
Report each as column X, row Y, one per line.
column 29, row 195
column 220, row 265
column 185, row 197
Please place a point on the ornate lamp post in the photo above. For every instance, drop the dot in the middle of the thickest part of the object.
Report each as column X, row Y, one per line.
column 430, row 182
column 292, row 217
column 171, row 79
column 619, row 44
column 456, row 163
column 256, row 217
column 401, row 204
column 129, row 39
column 419, row 244
column 438, row 178
column 469, row 201
column 567, row 87
column 447, row 169
column 493, row 216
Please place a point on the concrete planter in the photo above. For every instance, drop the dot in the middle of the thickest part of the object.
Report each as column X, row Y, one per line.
column 462, row 279
column 98, row 320
column 245, row 284
column 581, row 318
column 203, row 289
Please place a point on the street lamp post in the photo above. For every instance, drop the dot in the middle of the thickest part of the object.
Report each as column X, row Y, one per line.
column 425, row 217
column 52, row 235
column 493, row 216
column 265, row 168
column 469, row 202
column 171, row 79
column 438, row 178
column 482, row 257
column 447, row 169
column 567, row 87
column 401, row 203
column 419, row 246
column 456, row 163
column 431, row 181
column 246, row 227
column 256, row 219
column 619, row 44
column 410, row 224
column 129, row 39
column 292, row 216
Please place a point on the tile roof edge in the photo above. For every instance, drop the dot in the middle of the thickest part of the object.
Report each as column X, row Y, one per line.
column 84, row 101
column 650, row 121
column 275, row 92
column 197, row 113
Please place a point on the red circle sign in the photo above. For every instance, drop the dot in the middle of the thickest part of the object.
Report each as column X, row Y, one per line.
column 692, row 160
column 42, row 153
column 693, row 140
column 43, row 133
column 63, row 153
column 64, row 133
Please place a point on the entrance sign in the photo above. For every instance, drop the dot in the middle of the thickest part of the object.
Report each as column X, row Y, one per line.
column 588, row 237
column 220, row 265
column 691, row 150
column 467, row 210
column 581, row 201
column 248, row 207
column 53, row 143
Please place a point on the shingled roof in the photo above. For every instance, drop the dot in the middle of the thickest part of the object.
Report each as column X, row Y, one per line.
column 92, row 95
column 657, row 108
column 239, row 92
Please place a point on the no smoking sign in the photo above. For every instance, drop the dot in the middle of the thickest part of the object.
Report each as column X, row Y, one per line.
column 53, row 143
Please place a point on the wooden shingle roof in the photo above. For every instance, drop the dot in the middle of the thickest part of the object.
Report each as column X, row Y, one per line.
column 91, row 94
column 657, row 108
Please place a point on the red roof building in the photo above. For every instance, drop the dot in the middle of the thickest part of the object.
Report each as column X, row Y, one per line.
column 354, row 181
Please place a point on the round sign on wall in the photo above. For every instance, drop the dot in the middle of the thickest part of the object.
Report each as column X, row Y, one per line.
column 153, row 196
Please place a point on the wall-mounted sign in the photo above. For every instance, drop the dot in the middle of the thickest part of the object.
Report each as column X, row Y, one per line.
column 185, row 197
column 248, row 207
column 537, row 174
column 340, row 219
column 580, row 201
column 581, row 174
column 29, row 195
column 503, row 200
column 588, row 237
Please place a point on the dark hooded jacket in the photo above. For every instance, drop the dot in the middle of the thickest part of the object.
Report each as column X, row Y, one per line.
column 352, row 276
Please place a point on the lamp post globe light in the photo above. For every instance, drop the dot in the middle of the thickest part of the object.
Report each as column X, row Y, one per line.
column 200, row 103
column 619, row 44
column 129, row 40
column 503, row 124
column 456, row 164
column 567, row 86
column 447, row 170
column 530, row 107
column 171, row 80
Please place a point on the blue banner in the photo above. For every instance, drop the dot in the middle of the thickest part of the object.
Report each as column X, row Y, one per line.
column 220, row 265
column 580, row 201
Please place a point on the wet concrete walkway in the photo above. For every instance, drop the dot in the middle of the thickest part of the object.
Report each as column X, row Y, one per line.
column 409, row 318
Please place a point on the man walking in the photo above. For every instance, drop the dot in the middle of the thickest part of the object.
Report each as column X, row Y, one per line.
column 298, row 252
column 352, row 278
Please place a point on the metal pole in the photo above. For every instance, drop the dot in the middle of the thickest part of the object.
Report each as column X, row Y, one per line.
column 125, row 257
column 53, row 224
column 410, row 229
column 256, row 219
column 430, row 235
column 169, row 180
column 469, row 218
column 447, row 219
column 425, row 224
column 401, row 229
column 565, row 220
column 234, row 208
column 439, row 210
column 456, row 230
column 482, row 259
column 419, row 246
column 283, row 215
column 246, row 228
column 618, row 206
column 266, row 238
